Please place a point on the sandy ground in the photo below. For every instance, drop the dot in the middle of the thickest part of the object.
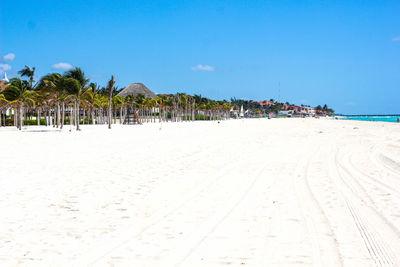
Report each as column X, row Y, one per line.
column 280, row 192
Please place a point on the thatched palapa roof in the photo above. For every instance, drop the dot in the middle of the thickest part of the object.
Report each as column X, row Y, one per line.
column 137, row 88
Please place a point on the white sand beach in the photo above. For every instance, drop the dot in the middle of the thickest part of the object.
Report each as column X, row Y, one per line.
column 257, row 192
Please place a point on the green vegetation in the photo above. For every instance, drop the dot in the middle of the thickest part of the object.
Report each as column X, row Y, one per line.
column 325, row 109
column 34, row 122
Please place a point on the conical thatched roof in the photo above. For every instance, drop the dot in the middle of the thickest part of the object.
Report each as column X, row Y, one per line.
column 137, row 88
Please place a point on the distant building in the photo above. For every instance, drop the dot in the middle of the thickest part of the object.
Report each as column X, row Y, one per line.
column 5, row 77
column 266, row 103
column 3, row 85
column 311, row 111
column 284, row 112
column 296, row 109
column 241, row 114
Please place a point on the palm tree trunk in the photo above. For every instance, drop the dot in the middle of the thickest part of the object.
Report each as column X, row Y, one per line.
column 70, row 116
column 21, row 119
column 38, row 117
column 47, row 116
column 52, row 114
column 186, row 111
column 15, row 117
column 109, row 114
column 192, row 110
column 63, row 114
column 77, row 115
column 55, row 115
column 92, row 114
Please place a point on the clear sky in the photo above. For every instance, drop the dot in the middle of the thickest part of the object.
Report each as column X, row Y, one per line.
column 343, row 53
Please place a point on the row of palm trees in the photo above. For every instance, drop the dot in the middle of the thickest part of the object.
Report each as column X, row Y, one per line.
column 57, row 99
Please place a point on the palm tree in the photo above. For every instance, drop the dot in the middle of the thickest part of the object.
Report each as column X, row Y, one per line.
column 158, row 102
column 184, row 105
column 118, row 102
column 79, row 76
column 3, row 106
column 139, row 101
column 92, row 96
column 59, row 89
column 28, row 72
column 167, row 106
column 17, row 93
column 50, row 87
column 73, row 91
column 40, row 103
column 152, row 104
column 110, row 87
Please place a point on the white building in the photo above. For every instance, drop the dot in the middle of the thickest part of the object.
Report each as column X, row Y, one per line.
column 5, row 77
column 241, row 114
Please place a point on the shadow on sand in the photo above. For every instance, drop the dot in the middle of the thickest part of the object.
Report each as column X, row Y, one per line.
column 41, row 131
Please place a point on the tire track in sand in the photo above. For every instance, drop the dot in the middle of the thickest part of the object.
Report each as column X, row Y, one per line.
column 377, row 249
column 320, row 231
column 210, row 226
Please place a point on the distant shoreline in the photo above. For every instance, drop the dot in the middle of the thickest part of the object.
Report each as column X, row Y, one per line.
column 384, row 118
column 368, row 115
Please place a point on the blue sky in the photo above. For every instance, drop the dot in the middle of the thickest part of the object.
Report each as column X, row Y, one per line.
column 343, row 53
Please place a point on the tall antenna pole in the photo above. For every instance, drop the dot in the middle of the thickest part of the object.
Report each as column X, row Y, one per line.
column 279, row 91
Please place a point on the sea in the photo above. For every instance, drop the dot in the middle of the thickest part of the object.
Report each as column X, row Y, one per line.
column 387, row 118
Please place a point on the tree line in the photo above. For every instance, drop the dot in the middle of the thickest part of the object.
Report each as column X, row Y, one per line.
column 70, row 98
column 325, row 109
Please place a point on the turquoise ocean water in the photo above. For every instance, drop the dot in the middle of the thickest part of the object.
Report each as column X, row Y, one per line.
column 387, row 118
